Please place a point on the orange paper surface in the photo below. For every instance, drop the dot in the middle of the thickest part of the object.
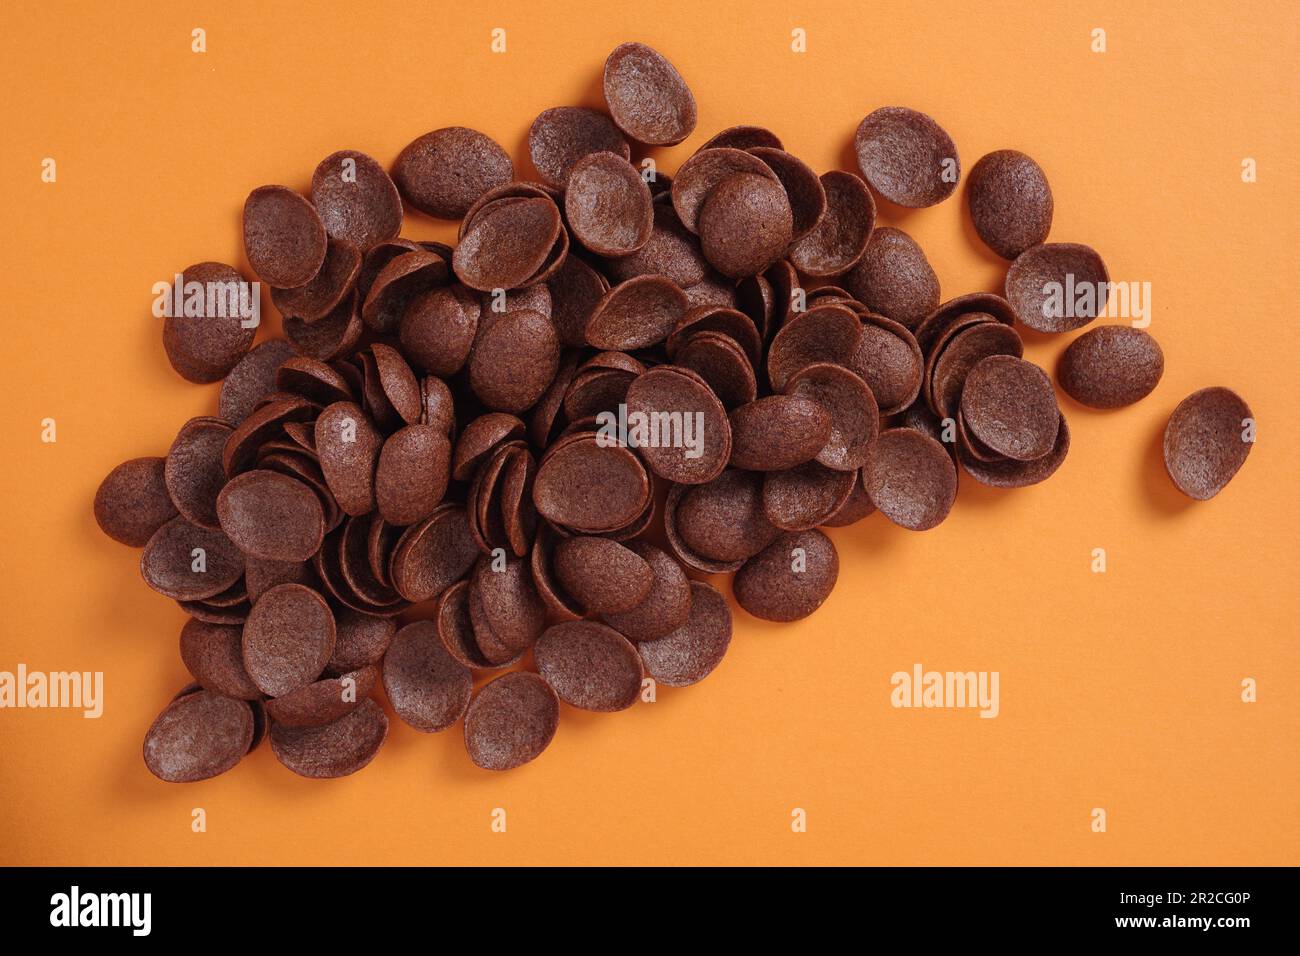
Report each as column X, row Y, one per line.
column 1119, row 690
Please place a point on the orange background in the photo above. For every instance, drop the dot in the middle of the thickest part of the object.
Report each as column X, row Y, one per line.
column 1119, row 690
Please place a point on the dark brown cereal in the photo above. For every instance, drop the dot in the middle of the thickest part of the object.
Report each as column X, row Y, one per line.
column 324, row 701
column 894, row 278
column 647, row 97
column 329, row 337
column 349, row 448
column 637, row 313
column 412, row 473
column 288, row 639
column 889, row 361
column 214, row 655
column 602, row 575
column 806, row 495
column 197, row 736
column 856, row 507
column 508, row 243
column 478, row 440
column 697, row 448
column 1009, row 473
column 444, row 172
column 1059, row 266
column 745, row 224
column 360, row 640
column 322, row 294
column 671, row 251
column 854, row 416
column 743, row 137
column 1207, row 440
column 778, row 432
column 428, row 688
column 1111, row 366
column 313, row 380
column 398, row 382
column 667, row 604
column 251, row 380
column 509, row 601
column 1010, row 406
column 607, row 205
column 433, row 554
column 261, row 575
column 561, row 136
column 595, row 390
column 437, row 405
column 203, row 347
column 806, row 194
column 730, row 322
column 513, row 361
column 907, row 157
column 132, row 502
column 456, row 627
column 691, row 652
column 702, row 173
column 1010, row 202
column 910, row 479
column 356, row 200
column 825, row 333
column 400, row 281
column 265, row 423
column 722, row 521
column 284, row 238
column 790, row 578
column 511, row 721
column 188, row 563
column 589, row 665
column 839, row 240
column 493, row 649
column 575, row 289
column 713, row 291
column 934, row 325
column 437, row 328
column 722, row 363
column 335, row 749
column 590, row 487
column 960, row 353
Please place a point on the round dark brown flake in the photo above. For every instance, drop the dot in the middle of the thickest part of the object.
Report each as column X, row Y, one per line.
column 284, row 238
column 211, row 332
column 288, row 639
column 805, row 496
column 1058, row 286
column 778, row 432
column 1010, row 202
column 213, row 654
column 437, row 329
column 514, row 360
column 671, row 251
column 185, row 562
column 319, row 297
column 694, row 436
column 507, row 243
column 894, row 278
column 602, row 575
column 355, row 199
column 805, row 191
column 720, row 522
column 336, row 749
column 703, row 172
column 722, row 363
column 272, row 516
column 955, row 356
column 745, row 225
column 197, row 736
column 432, row 555
column 635, row 314
column 401, row 280
column 412, row 474
column 1009, row 473
column 825, row 333
column 1111, row 366
column 444, row 172
column 132, row 502
column 667, row 604
column 1207, row 440
column 1010, row 406
column 607, row 205
column 790, row 578
column 251, row 380
column 839, row 240
column 743, row 137
column 324, row 701
column 360, row 639
column 561, row 136
column 691, row 652
column 907, row 157
column 910, row 479
column 647, row 97
column 848, row 401
column 590, row 487
column 589, row 665
column 511, row 721
column 428, row 689
column 348, row 447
